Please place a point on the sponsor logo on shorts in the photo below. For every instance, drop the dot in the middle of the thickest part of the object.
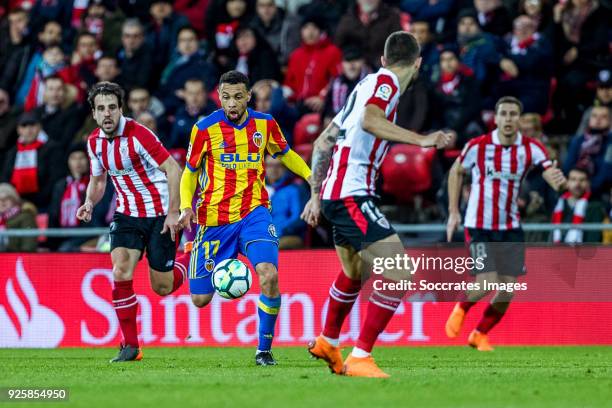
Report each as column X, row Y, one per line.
column 272, row 230
column 170, row 263
column 209, row 264
column 113, row 226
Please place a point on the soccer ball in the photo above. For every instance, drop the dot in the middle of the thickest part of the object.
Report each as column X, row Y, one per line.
column 232, row 278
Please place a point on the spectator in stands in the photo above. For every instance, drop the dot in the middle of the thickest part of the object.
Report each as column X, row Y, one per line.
column 107, row 69
column 140, row 100
column 582, row 44
column 311, row 67
column 413, row 108
column 104, row 21
column 368, row 25
column 223, row 18
column 52, row 63
column 188, row 63
column 195, row 11
column 60, row 117
column 45, row 10
column 288, row 200
column 530, row 125
column 576, row 206
column 81, row 71
column 16, row 214
column 162, row 31
column 15, row 48
column 432, row 12
column 532, row 54
column 196, row 106
column 51, row 34
column 539, row 11
column 135, row 57
column 429, row 50
column 32, row 165
column 278, row 28
column 251, row 55
column 456, row 98
column 147, row 119
column 479, row 53
column 68, row 195
column 592, row 151
column 354, row 69
column 603, row 97
column 8, row 123
column 493, row 17
column 269, row 98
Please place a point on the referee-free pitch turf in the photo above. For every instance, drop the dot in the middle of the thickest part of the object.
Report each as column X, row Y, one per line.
column 217, row 377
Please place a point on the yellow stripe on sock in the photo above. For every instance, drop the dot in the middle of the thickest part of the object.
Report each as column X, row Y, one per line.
column 268, row 309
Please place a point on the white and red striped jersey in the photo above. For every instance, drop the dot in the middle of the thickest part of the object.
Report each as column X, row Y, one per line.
column 497, row 173
column 132, row 159
column 358, row 154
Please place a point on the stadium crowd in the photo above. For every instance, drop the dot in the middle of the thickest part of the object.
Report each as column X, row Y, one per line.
column 303, row 58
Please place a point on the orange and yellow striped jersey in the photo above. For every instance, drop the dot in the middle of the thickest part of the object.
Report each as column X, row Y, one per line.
column 229, row 160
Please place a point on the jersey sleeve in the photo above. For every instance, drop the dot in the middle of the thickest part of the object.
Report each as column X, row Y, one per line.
column 198, row 144
column 95, row 166
column 468, row 155
column 539, row 155
column 277, row 145
column 383, row 93
column 151, row 148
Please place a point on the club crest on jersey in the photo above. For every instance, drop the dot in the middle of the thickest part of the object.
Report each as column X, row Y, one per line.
column 384, row 92
column 123, row 149
column 209, row 264
column 257, row 139
column 272, row 230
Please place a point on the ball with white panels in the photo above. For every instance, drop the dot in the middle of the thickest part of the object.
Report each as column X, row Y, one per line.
column 232, row 278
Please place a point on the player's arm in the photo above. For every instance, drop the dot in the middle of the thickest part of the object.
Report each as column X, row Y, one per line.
column 198, row 146
column 455, row 182
column 296, row 164
column 375, row 122
column 93, row 195
column 321, row 156
column 555, row 177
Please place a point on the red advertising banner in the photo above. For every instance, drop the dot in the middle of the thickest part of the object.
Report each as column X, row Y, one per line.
column 63, row 300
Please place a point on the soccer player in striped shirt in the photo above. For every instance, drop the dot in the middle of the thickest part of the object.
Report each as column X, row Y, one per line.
column 498, row 162
column 146, row 179
column 226, row 157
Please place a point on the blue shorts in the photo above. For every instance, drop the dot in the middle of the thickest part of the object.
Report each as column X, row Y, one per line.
column 254, row 237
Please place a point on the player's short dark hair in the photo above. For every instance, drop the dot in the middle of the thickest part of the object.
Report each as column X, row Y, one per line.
column 401, row 48
column 233, row 78
column 509, row 99
column 105, row 88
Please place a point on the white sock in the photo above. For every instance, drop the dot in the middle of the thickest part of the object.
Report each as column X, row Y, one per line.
column 359, row 353
column 333, row 342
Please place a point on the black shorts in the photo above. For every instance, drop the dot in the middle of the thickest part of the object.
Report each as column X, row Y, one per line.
column 144, row 233
column 356, row 221
column 502, row 251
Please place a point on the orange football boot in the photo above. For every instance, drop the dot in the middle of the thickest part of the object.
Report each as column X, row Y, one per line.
column 363, row 367
column 455, row 321
column 480, row 341
column 321, row 348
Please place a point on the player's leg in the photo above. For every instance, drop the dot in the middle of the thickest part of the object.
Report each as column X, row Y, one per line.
column 125, row 302
column 259, row 242
column 479, row 248
column 126, row 250
column 210, row 246
column 167, row 271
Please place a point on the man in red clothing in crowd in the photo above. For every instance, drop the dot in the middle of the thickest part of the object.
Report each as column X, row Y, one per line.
column 312, row 66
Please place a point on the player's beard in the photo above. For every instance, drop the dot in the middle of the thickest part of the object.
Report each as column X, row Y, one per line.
column 238, row 116
column 110, row 133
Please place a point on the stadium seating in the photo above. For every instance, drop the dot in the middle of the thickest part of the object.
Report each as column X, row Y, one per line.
column 406, row 171
column 307, row 129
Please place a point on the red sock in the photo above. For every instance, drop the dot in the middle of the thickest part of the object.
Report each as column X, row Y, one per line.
column 181, row 266
column 490, row 318
column 342, row 296
column 466, row 306
column 126, row 307
column 381, row 307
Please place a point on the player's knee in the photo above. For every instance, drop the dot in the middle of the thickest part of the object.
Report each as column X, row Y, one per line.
column 161, row 289
column 268, row 275
column 121, row 272
column 201, row 300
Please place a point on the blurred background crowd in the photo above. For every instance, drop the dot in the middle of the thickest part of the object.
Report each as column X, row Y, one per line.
column 303, row 58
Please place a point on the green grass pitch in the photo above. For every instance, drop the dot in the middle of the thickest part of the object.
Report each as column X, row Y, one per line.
column 218, row 377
